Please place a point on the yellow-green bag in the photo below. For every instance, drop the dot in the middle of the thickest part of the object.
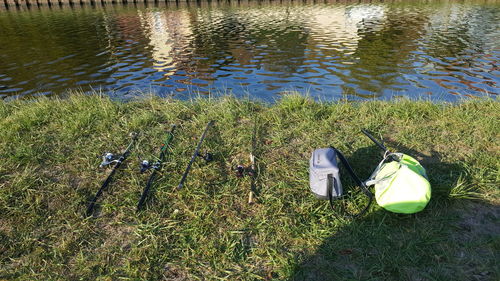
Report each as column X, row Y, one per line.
column 401, row 185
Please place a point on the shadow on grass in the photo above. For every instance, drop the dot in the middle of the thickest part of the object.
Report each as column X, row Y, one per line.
column 107, row 192
column 440, row 243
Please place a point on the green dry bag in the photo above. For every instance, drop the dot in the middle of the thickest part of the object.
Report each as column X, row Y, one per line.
column 401, row 185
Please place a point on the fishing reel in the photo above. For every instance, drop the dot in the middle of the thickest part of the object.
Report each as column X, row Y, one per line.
column 242, row 171
column 207, row 156
column 146, row 165
column 108, row 159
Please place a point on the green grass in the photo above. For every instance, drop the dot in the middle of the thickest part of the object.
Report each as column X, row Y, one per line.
column 50, row 151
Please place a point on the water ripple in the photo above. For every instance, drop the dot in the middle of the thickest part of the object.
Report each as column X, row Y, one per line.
column 440, row 50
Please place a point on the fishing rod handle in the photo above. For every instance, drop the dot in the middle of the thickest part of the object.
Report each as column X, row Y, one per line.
column 184, row 176
column 251, row 197
column 379, row 144
column 145, row 192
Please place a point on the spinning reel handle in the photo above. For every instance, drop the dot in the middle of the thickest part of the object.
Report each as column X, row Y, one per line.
column 207, row 156
column 107, row 159
column 242, row 171
column 145, row 165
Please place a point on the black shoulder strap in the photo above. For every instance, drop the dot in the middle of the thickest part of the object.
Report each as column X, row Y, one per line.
column 359, row 182
column 351, row 172
column 332, row 184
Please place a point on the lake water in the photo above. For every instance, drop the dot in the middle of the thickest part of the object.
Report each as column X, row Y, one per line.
column 442, row 50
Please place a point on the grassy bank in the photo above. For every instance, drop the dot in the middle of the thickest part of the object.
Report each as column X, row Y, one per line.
column 50, row 151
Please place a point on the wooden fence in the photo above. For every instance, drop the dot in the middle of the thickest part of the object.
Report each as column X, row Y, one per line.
column 13, row 4
column 23, row 4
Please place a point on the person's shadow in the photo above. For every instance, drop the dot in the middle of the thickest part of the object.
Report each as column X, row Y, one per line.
column 385, row 246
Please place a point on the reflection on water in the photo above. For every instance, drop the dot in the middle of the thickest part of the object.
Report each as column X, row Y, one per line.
column 442, row 50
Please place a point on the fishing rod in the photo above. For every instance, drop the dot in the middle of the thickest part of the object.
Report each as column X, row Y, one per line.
column 207, row 157
column 251, row 193
column 156, row 166
column 251, row 171
column 107, row 160
column 242, row 171
column 379, row 144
